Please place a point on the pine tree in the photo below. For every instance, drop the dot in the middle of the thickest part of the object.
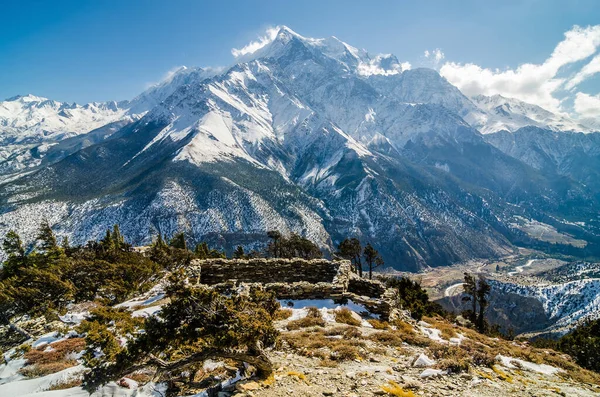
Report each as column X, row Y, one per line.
column 239, row 252
column 201, row 250
column 13, row 248
column 372, row 258
column 117, row 238
column 178, row 241
column 198, row 324
column 107, row 242
column 46, row 237
column 51, row 253
column 470, row 289
column 483, row 290
column 351, row 249
column 273, row 248
column 64, row 244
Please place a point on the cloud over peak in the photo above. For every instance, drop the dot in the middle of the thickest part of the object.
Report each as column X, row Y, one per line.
column 540, row 84
column 253, row 46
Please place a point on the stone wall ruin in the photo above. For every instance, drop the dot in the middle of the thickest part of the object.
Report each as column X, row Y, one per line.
column 296, row 279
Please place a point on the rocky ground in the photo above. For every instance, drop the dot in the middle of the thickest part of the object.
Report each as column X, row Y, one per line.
column 384, row 366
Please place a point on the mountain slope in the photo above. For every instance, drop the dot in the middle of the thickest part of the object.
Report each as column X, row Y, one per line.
column 500, row 113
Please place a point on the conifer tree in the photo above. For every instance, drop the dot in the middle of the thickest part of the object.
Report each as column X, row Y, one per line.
column 117, row 238
column 64, row 244
column 178, row 241
column 470, row 289
column 46, row 238
column 198, row 324
column 273, row 248
column 372, row 258
column 239, row 252
column 107, row 242
column 201, row 250
column 351, row 249
column 13, row 247
column 51, row 253
column 483, row 290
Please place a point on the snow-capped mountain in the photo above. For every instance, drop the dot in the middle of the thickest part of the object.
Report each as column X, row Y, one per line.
column 30, row 126
column 301, row 134
column 509, row 114
column 32, row 119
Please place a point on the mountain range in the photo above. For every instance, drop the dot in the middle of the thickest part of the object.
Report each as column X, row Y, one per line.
column 311, row 136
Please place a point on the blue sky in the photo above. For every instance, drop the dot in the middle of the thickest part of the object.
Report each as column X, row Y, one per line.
column 101, row 50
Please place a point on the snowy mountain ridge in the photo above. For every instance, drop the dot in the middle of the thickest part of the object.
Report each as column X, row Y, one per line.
column 501, row 113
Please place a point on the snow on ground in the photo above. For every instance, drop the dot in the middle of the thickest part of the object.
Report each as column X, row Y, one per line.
column 432, row 333
column 540, row 368
column 327, row 307
column 423, row 361
column 29, row 387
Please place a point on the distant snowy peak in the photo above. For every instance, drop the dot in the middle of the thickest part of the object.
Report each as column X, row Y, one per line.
column 510, row 114
column 32, row 119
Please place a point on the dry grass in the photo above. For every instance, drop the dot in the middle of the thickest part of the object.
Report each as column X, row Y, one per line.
column 38, row 370
column 344, row 316
column 317, row 344
column 484, row 349
column 394, row 389
column 404, row 327
column 50, row 359
column 345, row 352
column 440, row 351
column 65, row 384
column 282, row 314
column 312, row 319
column 377, row 324
column 141, row 377
column 345, row 331
column 305, row 323
column 388, row 338
column 455, row 365
column 313, row 311
column 446, row 329
column 58, row 352
column 484, row 375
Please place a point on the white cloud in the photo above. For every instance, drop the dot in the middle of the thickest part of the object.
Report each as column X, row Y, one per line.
column 167, row 76
column 587, row 105
column 436, row 55
column 254, row 46
column 587, row 71
column 533, row 83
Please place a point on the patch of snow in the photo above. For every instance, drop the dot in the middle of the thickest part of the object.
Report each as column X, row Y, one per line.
column 423, row 361
column 430, row 372
column 540, row 368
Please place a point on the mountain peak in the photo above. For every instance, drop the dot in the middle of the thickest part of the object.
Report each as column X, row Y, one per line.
column 26, row 98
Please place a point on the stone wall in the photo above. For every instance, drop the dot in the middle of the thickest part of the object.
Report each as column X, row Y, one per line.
column 260, row 270
column 364, row 287
column 296, row 279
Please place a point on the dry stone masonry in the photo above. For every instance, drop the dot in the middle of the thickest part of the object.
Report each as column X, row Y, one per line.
column 296, row 279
